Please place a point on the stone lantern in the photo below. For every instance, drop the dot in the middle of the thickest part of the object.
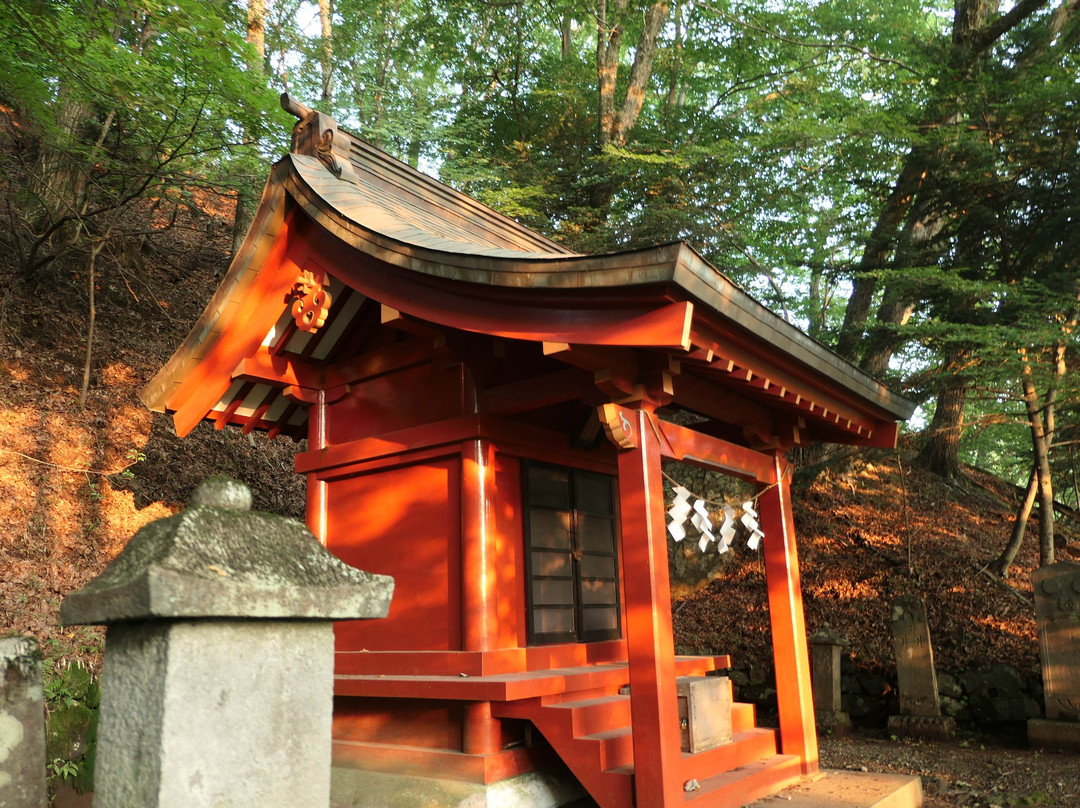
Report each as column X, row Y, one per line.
column 218, row 679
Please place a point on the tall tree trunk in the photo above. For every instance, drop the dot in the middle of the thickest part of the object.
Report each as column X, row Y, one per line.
column 875, row 255
column 640, row 71
column 244, row 212
column 676, row 66
column 1001, row 564
column 916, row 247
column 895, row 310
column 326, row 52
column 566, row 34
column 609, row 34
column 64, row 160
column 940, row 452
column 392, row 30
column 816, row 306
column 976, row 28
column 615, row 127
column 59, row 180
column 243, row 216
column 1041, row 424
column 256, row 29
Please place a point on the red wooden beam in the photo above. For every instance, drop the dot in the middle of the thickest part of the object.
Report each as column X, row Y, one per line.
column 883, row 435
column 283, row 421
column 453, row 430
column 594, row 357
column 283, row 340
column 221, row 419
column 713, row 401
column 393, row 318
column 617, row 386
column 256, row 417
column 280, row 370
column 689, row 446
column 742, row 359
column 381, row 361
column 791, row 658
column 504, row 312
column 535, row 392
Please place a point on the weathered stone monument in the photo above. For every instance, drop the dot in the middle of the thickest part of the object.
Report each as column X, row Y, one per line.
column 1057, row 612
column 218, row 679
column 22, row 725
column 825, row 649
column 920, row 709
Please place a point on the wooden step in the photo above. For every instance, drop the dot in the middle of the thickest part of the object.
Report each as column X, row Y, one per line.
column 591, row 716
column 743, row 716
column 746, row 747
column 588, row 756
column 700, row 665
column 736, row 788
column 614, row 748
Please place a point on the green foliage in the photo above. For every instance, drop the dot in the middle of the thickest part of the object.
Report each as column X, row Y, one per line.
column 770, row 136
column 72, row 698
column 115, row 103
column 133, row 456
column 60, row 769
column 68, row 686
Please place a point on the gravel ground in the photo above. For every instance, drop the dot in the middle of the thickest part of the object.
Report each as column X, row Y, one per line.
column 971, row 771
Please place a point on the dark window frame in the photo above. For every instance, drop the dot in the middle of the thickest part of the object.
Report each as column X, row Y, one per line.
column 578, row 510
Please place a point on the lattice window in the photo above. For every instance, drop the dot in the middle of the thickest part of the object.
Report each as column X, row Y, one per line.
column 572, row 565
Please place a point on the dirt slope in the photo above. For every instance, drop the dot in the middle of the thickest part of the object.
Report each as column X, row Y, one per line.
column 75, row 484
column 867, row 536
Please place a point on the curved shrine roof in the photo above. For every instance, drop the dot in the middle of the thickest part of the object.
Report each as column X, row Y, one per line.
column 384, row 232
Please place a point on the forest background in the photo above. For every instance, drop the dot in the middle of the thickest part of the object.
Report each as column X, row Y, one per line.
column 898, row 179
column 901, row 180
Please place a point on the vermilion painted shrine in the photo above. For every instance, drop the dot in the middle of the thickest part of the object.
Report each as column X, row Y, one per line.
column 486, row 415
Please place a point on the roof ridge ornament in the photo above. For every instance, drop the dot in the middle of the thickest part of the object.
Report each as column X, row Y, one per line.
column 324, row 150
column 317, row 135
column 294, row 107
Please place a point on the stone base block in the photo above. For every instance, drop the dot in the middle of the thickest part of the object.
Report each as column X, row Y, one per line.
column 215, row 713
column 1046, row 734
column 355, row 788
column 832, row 722
column 834, row 789
column 935, row 727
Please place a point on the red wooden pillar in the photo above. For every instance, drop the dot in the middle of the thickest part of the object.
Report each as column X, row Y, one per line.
column 316, row 489
column 649, row 641
column 481, row 732
column 798, row 735
column 479, row 627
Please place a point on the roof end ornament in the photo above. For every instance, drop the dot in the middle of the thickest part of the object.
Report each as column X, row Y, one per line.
column 290, row 104
column 316, row 134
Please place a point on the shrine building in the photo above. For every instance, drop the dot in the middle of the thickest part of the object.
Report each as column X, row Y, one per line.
column 486, row 415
